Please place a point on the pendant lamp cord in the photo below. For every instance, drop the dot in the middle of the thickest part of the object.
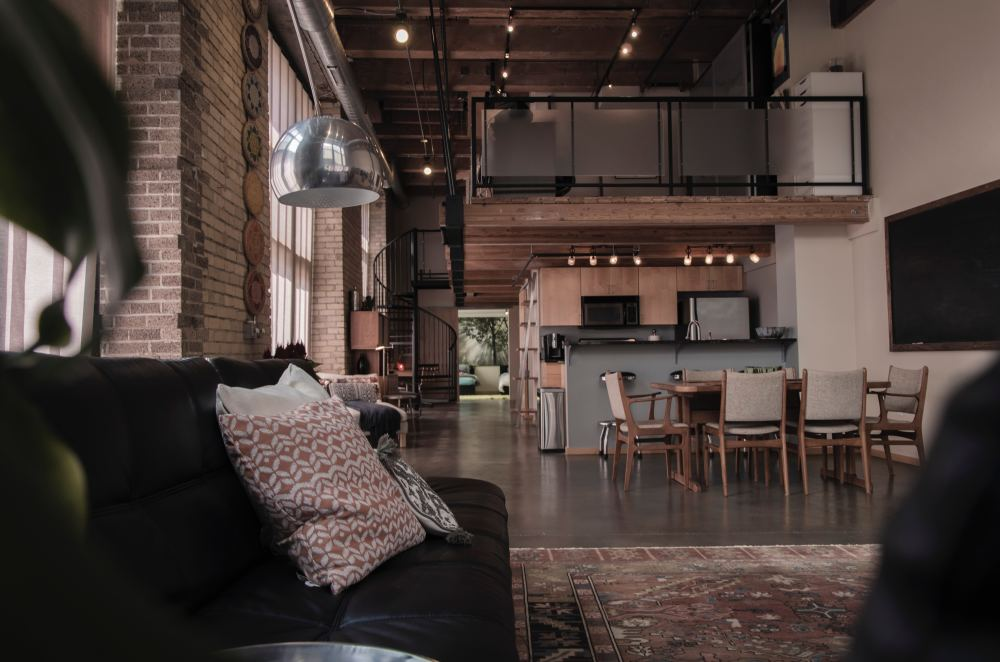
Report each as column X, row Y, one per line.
column 305, row 59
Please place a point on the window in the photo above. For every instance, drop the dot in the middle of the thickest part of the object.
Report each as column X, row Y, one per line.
column 291, row 227
column 366, row 286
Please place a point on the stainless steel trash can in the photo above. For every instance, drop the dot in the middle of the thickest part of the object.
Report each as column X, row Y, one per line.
column 552, row 419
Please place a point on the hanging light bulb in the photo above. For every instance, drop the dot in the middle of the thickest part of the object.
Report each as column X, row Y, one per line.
column 510, row 19
column 636, row 259
column 427, row 167
column 634, row 32
column 571, row 260
column 401, row 31
column 753, row 256
column 506, row 55
column 626, row 48
column 730, row 258
column 708, row 256
column 614, row 256
column 593, row 258
column 687, row 257
column 504, row 74
column 610, row 85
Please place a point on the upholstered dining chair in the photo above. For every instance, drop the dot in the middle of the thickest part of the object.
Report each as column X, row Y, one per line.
column 704, row 408
column 901, row 412
column 832, row 414
column 631, row 431
column 751, row 416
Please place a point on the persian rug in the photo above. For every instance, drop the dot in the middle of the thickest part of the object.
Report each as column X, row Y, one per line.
column 689, row 603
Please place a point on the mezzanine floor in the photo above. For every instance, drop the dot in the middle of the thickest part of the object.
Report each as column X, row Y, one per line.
column 557, row 500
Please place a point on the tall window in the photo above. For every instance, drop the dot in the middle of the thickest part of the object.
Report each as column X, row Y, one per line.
column 291, row 227
column 366, row 285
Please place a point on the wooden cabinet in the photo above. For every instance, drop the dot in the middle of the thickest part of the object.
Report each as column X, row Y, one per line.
column 657, row 295
column 722, row 278
column 609, row 281
column 553, row 375
column 559, row 297
column 366, row 329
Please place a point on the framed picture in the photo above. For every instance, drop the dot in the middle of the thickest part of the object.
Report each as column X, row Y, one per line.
column 779, row 43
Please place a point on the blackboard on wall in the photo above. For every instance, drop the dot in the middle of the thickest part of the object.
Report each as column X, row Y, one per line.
column 943, row 268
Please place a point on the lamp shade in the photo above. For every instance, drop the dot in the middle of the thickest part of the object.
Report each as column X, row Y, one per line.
column 325, row 162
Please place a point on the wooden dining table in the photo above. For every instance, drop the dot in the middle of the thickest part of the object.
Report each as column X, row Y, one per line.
column 686, row 391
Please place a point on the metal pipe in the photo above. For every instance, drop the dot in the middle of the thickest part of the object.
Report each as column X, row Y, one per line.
column 442, row 104
column 315, row 17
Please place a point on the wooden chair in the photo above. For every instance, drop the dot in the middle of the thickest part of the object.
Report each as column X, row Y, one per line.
column 651, row 433
column 751, row 416
column 704, row 409
column 901, row 412
column 832, row 413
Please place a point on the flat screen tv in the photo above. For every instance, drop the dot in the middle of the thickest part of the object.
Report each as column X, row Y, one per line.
column 943, row 272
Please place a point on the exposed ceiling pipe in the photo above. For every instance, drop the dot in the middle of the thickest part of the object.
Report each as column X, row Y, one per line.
column 316, row 20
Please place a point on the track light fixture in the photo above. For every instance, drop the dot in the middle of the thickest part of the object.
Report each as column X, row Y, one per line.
column 634, row 32
column 614, row 256
column 428, row 170
column 636, row 258
column 708, row 256
column 687, row 257
column 753, row 255
column 401, row 31
column 510, row 19
column 730, row 258
column 506, row 55
column 593, row 258
column 504, row 74
column 626, row 49
column 571, row 260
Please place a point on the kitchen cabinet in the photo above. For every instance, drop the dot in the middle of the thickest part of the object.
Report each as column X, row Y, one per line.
column 609, row 281
column 657, row 295
column 559, row 297
column 553, row 375
column 721, row 278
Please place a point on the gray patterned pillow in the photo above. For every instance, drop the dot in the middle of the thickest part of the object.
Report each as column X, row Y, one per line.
column 429, row 508
column 354, row 391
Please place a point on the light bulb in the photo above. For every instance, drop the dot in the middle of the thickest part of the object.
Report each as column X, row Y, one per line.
column 754, row 257
column 687, row 259
column 593, row 260
column 730, row 258
column 613, row 259
column 636, row 260
column 571, row 260
column 504, row 73
column 510, row 27
column 506, row 56
column 626, row 48
column 634, row 33
column 708, row 257
column 401, row 34
column 427, row 168
column 610, row 85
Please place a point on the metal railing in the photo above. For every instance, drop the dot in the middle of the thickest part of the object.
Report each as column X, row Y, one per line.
column 668, row 145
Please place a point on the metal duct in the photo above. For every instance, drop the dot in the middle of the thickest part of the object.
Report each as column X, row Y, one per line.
column 316, row 20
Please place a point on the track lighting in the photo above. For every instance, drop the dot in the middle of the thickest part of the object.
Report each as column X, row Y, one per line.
column 687, row 258
column 506, row 55
column 571, row 260
column 428, row 170
column 730, row 258
column 401, row 31
column 610, row 85
column 504, row 74
column 708, row 257
column 593, row 258
column 636, row 259
column 510, row 19
column 614, row 257
column 626, row 48
column 634, row 32
column 753, row 256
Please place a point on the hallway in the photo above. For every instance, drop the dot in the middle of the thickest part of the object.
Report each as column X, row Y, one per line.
column 556, row 500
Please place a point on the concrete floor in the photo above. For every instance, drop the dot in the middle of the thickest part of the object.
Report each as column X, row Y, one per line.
column 556, row 500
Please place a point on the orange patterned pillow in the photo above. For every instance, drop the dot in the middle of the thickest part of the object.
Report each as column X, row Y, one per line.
column 333, row 506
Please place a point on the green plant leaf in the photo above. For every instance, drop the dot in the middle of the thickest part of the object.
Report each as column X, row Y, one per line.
column 63, row 143
column 53, row 329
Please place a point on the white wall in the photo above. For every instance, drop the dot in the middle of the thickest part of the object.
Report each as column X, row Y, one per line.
column 931, row 82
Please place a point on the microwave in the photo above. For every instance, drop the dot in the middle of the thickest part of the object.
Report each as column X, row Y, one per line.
column 608, row 312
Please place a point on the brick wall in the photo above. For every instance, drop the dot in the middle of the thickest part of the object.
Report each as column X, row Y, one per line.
column 378, row 231
column 327, row 333
column 180, row 69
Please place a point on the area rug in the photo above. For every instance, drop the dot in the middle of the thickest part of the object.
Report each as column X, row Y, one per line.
column 689, row 603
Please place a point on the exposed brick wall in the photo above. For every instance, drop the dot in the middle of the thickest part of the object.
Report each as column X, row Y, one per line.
column 327, row 333
column 180, row 68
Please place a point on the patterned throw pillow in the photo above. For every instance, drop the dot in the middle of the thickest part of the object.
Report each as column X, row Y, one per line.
column 429, row 508
column 354, row 391
column 333, row 506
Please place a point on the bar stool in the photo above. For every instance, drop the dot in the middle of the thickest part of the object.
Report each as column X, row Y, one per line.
column 608, row 430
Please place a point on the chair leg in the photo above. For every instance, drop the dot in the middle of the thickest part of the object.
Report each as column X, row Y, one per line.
column 888, row 457
column 767, row 467
column 919, row 443
column 866, row 466
column 722, row 467
column 705, row 452
column 783, row 452
column 629, row 460
column 803, row 464
column 614, row 462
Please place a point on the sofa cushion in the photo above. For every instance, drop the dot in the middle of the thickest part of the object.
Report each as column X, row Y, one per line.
column 295, row 388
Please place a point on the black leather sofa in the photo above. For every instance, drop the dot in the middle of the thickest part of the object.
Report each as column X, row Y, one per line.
column 168, row 508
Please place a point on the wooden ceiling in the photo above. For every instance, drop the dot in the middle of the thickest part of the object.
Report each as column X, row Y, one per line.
column 556, row 47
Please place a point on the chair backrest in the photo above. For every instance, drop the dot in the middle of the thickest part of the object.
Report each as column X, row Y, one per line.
column 689, row 375
column 834, row 396
column 790, row 373
column 910, row 382
column 616, row 395
column 753, row 398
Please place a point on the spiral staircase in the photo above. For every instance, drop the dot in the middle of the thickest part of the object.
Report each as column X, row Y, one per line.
column 424, row 344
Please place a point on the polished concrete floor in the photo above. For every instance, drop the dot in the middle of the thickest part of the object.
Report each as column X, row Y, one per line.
column 557, row 500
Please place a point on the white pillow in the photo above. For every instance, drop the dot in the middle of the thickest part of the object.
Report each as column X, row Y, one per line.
column 291, row 392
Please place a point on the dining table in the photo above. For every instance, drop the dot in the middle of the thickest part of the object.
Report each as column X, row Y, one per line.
column 686, row 391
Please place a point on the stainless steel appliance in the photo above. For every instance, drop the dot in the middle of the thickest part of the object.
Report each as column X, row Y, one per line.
column 717, row 318
column 609, row 312
column 551, row 419
column 553, row 347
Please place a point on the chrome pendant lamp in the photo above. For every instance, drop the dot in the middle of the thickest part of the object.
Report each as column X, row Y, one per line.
column 324, row 161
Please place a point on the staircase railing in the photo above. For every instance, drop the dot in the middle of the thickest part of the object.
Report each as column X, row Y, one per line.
column 426, row 344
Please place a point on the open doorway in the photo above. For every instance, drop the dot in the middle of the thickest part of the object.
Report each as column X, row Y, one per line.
column 483, row 362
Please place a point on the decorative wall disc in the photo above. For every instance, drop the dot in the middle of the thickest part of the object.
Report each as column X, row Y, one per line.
column 253, row 9
column 254, row 242
column 253, row 143
column 253, row 94
column 253, row 193
column 254, row 292
column 253, row 48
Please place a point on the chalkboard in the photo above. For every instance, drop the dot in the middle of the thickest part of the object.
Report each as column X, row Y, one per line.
column 943, row 267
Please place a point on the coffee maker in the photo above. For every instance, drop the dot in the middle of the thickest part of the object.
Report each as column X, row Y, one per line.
column 553, row 347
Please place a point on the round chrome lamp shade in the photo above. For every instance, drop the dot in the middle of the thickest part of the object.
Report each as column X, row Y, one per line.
column 326, row 162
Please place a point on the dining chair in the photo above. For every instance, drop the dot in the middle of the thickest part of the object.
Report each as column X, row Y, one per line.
column 832, row 414
column 751, row 416
column 901, row 412
column 704, row 408
column 657, row 434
